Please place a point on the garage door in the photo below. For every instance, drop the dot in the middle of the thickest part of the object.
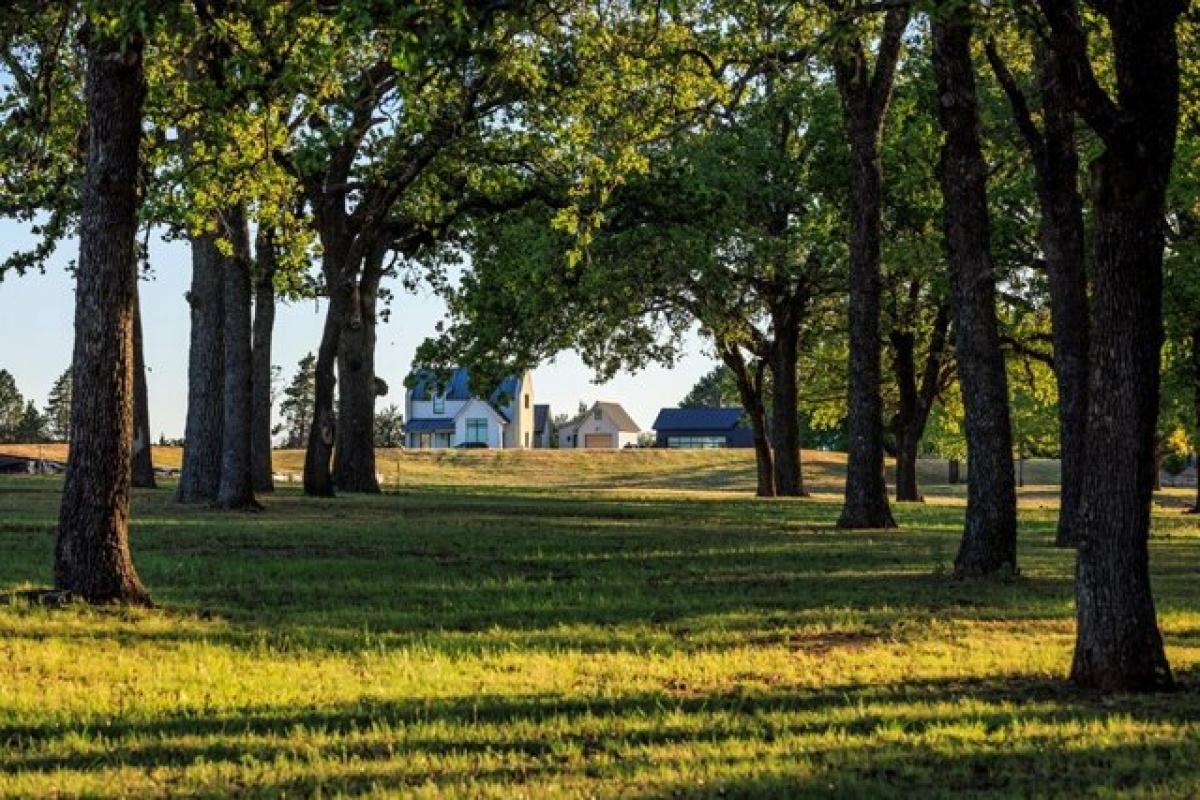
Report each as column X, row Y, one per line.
column 597, row 440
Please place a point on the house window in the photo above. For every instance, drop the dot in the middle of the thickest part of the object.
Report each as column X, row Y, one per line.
column 597, row 414
column 477, row 430
column 527, row 439
column 439, row 405
column 695, row 442
column 527, row 401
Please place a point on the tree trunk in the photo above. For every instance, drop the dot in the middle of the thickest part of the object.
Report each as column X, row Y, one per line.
column 785, row 413
column 1118, row 646
column 989, row 542
column 264, row 327
column 354, row 457
column 866, row 502
column 1066, row 267
column 318, row 479
column 91, row 552
column 1056, row 164
column 1196, row 411
column 201, row 471
column 915, row 401
column 236, row 489
column 750, row 392
column 864, row 98
column 143, row 462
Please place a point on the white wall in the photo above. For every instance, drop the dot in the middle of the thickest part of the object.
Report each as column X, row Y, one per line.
column 479, row 409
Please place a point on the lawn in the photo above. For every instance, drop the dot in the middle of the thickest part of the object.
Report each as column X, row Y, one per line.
column 547, row 626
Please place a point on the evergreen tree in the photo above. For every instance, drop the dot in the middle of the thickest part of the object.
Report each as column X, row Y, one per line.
column 12, row 405
column 31, row 429
column 58, row 408
column 297, row 405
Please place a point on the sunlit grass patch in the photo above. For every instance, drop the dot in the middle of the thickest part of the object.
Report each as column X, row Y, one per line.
column 580, row 638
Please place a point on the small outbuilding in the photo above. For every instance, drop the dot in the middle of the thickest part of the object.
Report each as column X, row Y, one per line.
column 701, row 428
column 604, row 426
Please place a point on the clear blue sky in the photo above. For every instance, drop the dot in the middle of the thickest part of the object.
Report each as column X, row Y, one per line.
column 36, row 312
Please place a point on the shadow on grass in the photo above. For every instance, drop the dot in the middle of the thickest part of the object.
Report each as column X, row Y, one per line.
column 849, row 740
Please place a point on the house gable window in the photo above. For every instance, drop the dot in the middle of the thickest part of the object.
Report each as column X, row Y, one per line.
column 598, row 414
column 477, row 430
column 527, row 401
column 439, row 404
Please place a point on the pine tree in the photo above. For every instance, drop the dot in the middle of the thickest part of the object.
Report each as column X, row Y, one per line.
column 31, row 429
column 58, row 409
column 12, row 406
column 297, row 405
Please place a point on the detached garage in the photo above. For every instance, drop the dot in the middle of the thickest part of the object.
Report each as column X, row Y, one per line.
column 604, row 426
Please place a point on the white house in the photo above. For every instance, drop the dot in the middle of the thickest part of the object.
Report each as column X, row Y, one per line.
column 603, row 426
column 448, row 414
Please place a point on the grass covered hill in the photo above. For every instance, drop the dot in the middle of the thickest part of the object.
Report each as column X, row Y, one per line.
column 517, row 626
column 716, row 470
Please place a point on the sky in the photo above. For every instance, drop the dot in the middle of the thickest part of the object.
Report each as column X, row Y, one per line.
column 36, row 312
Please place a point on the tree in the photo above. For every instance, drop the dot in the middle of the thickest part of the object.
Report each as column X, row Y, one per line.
column 143, row 463
column 58, row 408
column 1055, row 159
column 12, row 406
column 1118, row 646
column 297, row 405
column 91, row 553
column 389, row 427
column 31, row 428
column 712, row 390
column 865, row 92
column 236, row 487
column 262, row 381
column 989, row 542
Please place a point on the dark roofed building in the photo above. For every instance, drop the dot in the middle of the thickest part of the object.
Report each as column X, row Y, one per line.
column 542, row 426
column 693, row 428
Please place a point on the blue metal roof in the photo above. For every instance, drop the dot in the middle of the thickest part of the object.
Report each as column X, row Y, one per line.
column 697, row 419
column 541, row 416
column 459, row 387
column 429, row 425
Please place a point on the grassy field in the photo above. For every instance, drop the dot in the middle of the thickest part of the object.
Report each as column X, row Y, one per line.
column 545, row 625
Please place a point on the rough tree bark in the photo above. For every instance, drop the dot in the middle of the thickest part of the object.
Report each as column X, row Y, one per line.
column 264, row 328
column 865, row 95
column 1055, row 159
column 354, row 456
column 143, row 461
column 989, row 542
column 318, row 477
column 1118, row 646
column 785, row 411
column 750, row 389
column 1195, row 509
column 91, row 552
column 236, row 488
column 916, row 400
column 201, row 471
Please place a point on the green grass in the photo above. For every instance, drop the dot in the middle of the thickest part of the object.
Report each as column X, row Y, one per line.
column 634, row 628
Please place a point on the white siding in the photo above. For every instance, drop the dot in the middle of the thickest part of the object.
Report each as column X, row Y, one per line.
column 478, row 409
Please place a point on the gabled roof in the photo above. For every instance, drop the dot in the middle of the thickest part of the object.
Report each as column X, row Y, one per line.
column 469, row 406
column 613, row 411
column 459, row 387
column 541, row 417
column 697, row 419
column 618, row 415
